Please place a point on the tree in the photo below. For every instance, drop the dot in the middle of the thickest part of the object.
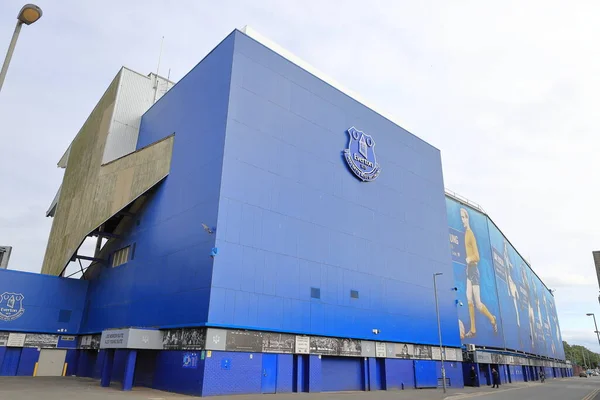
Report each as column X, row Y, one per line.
column 575, row 354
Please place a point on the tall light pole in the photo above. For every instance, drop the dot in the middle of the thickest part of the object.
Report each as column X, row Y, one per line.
column 595, row 325
column 28, row 15
column 437, row 311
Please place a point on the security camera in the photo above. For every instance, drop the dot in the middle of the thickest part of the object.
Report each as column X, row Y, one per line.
column 376, row 331
column 455, row 289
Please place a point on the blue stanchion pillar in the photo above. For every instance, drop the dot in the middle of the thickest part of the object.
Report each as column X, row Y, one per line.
column 129, row 370
column 107, row 367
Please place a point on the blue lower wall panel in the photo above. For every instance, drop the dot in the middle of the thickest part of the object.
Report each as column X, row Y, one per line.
column 71, row 360
column 454, row 373
column 285, row 373
column 97, row 373
column 300, row 373
column 315, row 382
column 29, row 356
column 426, row 375
column 399, row 374
column 118, row 371
column 342, row 374
column 86, row 363
column 10, row 362
column 169, row 374
column 232, row 373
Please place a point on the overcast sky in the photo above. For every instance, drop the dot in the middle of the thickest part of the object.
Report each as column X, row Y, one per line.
column 507, row 90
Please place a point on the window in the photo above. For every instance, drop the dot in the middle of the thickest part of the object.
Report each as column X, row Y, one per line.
column 120, row 256
column 315, row 293
column 354, row 294
column 64, row 316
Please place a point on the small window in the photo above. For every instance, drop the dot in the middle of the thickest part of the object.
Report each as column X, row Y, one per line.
column 64, row 316
column 315, row 293
column 354, row 294
column 120, row 256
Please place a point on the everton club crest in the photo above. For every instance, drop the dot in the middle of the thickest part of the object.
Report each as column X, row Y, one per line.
column 360, row 155
column 11, row 306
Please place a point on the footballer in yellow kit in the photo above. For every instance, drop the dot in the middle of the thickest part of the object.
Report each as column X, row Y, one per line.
column 473, row 278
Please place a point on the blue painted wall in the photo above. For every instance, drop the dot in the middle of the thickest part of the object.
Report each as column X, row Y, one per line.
column 342, row 374
column 171, row 376
column 285, row 373
column 399, row 374
column 44, row 297
column 29, row 356
column 292, row 217
column 243, row 376
column 454, row 373
column 169, row 236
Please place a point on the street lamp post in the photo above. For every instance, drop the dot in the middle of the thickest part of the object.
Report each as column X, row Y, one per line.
column 28, row 15
column 437, row 311
column 595, row 325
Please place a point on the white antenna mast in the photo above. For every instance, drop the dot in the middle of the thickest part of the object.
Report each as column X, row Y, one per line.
column 158, row 69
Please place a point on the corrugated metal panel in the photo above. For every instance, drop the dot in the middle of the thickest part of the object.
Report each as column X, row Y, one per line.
column 135, row 96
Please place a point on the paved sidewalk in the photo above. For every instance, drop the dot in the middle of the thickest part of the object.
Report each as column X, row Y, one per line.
column 70, row 388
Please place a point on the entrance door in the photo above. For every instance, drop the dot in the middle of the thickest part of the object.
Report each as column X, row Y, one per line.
column 269, row 376
column 51, row 362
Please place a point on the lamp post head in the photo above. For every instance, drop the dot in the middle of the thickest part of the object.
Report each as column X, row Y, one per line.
column 589, row 314
column 438, row 274
column 29, row 14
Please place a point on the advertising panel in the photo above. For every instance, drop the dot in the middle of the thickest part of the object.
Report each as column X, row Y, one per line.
column 479, row 318
column 513, row 292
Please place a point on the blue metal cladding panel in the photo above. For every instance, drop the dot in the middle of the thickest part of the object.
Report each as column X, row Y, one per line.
column 399, row 374
column 172, row 377
column 315, row 375
column 242, row 377
column 292, row 216
column 285, row 373
column 342, row 374
column 118, row 371
column 168, row 281
column 29, row 356
column 72, row 361
column 43, row 298
column 454, row 373
column 425, row 374
column 269, row 373
column 86, row 363
column 10, row 362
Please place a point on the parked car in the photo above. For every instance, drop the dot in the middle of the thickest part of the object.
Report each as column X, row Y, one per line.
column 582, row 375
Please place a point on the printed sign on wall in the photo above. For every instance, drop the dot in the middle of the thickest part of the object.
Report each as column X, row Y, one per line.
column 41, row 341
column 16, row 340
column 302, row 345
column 278, row 343
column 190, row 360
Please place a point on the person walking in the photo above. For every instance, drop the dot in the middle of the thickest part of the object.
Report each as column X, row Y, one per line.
column 495, row 378
column 473, row 376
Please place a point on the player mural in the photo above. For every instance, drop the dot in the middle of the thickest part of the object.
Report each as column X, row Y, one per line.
column 479, row 321
column 507, row 305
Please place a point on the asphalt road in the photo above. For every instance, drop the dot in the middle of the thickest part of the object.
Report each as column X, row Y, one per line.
column 559, row 389
column 29, row 388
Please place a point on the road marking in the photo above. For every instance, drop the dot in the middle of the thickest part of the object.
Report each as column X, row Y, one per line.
column 471, row 395
column 591, row 395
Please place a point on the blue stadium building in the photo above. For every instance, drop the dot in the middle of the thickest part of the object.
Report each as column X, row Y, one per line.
column 259, row 229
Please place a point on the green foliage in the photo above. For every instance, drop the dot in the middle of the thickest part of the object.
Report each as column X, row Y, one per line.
column 576, row 353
